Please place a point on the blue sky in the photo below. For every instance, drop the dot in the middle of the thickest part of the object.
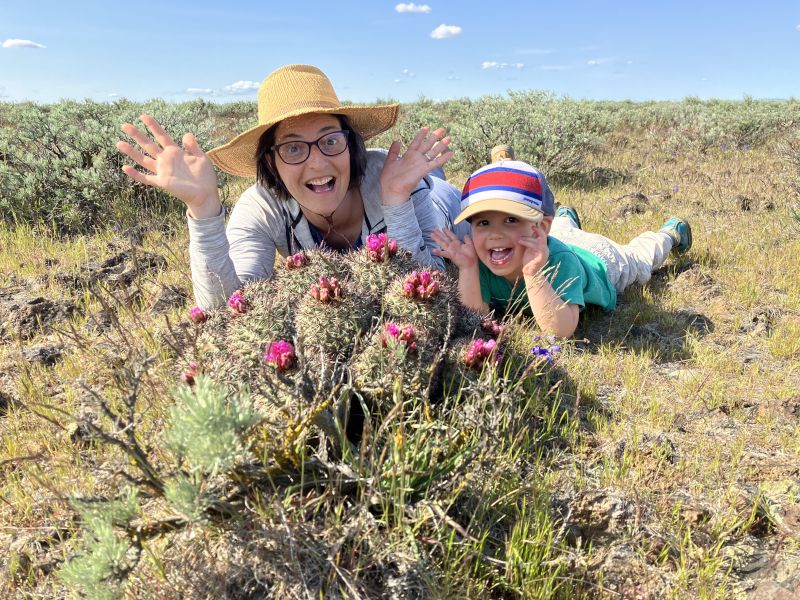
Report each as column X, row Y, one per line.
column 374, row 49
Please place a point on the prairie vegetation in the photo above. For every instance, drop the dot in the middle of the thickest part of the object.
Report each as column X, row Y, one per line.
column 655, row 455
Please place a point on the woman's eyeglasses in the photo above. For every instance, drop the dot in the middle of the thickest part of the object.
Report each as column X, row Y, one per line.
column 297, row 151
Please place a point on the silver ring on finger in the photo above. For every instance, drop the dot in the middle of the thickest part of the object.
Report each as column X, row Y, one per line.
column 425, row 154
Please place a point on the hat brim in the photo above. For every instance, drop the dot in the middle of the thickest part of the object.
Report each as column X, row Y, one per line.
column 503, row 205
column 238, row 156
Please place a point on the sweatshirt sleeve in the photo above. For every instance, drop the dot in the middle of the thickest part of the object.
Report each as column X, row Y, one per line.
column 213, row 275
column 221, row 260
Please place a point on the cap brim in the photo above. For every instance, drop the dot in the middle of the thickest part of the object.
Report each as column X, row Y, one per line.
column 238, row 156
column 503, row 205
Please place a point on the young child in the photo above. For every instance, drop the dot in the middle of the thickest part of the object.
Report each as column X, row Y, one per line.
column 523, row 256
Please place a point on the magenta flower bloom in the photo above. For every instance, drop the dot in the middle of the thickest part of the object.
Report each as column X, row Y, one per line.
column 197, row 314
column 479, row 352
column 380, row 248
column 237, row 302
column 296, row 261
column 280, row 354
column 394, row 335
column 421, row 285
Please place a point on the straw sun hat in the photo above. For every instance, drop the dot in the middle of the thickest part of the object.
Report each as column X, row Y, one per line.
column 291, row 91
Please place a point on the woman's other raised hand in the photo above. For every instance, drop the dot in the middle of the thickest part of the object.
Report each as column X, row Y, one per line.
column 401, row 173
column 185, row 172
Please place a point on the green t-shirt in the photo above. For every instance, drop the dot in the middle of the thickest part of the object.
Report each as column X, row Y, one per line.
column 578, row 277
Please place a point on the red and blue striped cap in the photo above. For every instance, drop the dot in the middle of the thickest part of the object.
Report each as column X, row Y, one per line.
column 509, row 186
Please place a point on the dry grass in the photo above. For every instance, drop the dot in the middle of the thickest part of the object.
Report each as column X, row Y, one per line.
column 676, row 472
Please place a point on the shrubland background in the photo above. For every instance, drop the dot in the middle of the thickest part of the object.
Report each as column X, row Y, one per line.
column 657, row 457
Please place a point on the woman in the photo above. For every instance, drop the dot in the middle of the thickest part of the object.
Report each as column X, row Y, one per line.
column 316, row 184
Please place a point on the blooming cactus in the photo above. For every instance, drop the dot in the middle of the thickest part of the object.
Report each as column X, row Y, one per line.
column 296, row 261
column 280, row 354
column 197, row 314
column 326, row 290
column 394, row 335
column 421, row 285
column 479, row 352
column 380, row 247
column 237, row 302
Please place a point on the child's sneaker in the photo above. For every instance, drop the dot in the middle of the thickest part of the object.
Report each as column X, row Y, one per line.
column 568, row 211
column 680, row 232
column 502, row 152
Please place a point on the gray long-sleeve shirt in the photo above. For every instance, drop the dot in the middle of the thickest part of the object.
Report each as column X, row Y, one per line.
column 261, row 224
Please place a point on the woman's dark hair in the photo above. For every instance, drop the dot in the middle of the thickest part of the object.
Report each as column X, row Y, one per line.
column 267, row 173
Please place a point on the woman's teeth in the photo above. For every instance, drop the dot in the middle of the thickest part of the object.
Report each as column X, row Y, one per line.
column 321, row 184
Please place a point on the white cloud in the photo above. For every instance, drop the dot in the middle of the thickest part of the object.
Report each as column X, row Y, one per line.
column 242, row 87
column 453, row 78
column 594, row 62
column 113, row 95
column 534, row 51
column 397, row 81
column 490, row 64
column 798, row 28
column 445, row 31
column 194, row 90
column 410, row 7
column 14, row 43
column 408, row 73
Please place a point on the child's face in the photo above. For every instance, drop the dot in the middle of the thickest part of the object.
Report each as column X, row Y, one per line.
column 496, row 239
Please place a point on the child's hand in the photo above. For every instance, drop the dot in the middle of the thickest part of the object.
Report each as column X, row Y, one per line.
column 402, row 173
column 536, row 252
column 462, row 254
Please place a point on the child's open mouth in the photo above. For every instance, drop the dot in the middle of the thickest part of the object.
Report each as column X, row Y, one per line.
column 322, row 184
column 500, row 256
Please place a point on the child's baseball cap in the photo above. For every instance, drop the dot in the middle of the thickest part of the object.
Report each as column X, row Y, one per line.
column 509, row 186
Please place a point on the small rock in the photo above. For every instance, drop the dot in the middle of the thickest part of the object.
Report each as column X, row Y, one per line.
column 44, row 355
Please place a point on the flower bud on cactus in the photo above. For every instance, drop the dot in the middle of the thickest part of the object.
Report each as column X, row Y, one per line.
column 296, row 261
column 393, row 335
column 479, row 352
column 421, row 285
column 197, row 315
column 280, row 354
column 492, row 327
column 190, row 373
column 326, row 290
column 380, row 247
column 237, row 302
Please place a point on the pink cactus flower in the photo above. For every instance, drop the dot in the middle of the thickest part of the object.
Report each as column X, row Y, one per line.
column 190, row 373
column 479, row 352
column 280, row 354
column 421, row 285
column 197, row 315
column 326, row 290
column 296, row 261
column 237, row 302
column 380, row 248
column 394, row 335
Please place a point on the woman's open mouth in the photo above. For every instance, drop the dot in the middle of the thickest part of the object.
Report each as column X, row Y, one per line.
column 500, row 256
column 321, row 184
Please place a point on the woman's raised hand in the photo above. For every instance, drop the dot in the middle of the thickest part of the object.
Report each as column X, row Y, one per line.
column 401, row 173
column 185, row 172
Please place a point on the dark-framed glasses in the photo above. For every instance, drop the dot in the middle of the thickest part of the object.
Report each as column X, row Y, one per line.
column 297, row 151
